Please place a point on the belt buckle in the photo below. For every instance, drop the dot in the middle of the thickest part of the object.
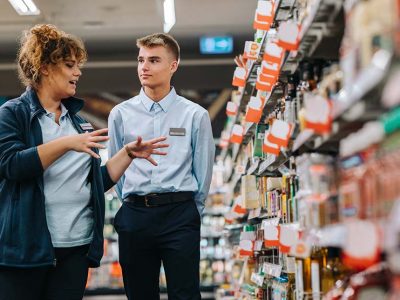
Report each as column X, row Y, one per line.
column 146, row 200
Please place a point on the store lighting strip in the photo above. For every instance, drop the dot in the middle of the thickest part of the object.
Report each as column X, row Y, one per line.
column 25, row 7
column 133, row 64
column 169, row 15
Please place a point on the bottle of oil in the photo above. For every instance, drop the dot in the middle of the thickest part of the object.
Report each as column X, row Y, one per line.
column 318, row 262
column 303, row 277
column 334, row 270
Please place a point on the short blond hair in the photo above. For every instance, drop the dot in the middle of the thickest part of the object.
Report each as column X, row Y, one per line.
column 160, row 39
column 45, row 44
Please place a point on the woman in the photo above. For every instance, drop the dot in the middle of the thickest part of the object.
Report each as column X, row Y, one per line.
column 51, row 183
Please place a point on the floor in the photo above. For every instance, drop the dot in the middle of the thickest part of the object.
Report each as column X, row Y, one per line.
column 121, row 297
column 105, row 298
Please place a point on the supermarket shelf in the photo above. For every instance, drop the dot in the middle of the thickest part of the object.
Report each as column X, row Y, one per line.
column 235, row 180
column 331, row 235
column 254, row 166
column 283, row 11
column 336, row 235
column 315, row 29
column 234, row 226
column 368, row 83
column 369, row 79
column 271, row 164
column 212, row 235
column 215, row 211
column 319, row 25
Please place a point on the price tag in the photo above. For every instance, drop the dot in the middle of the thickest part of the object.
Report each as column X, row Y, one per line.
column 254, row 213
column 272, row 269
column 239, row 77
column 237, row 134
column 258, row 245
column 257, row 278
column 248, row 235
column 254, row 110
column 284, row 170
column 301, row 249
column 273, row 222
column 273, row 53
column 318, row 113
column 360, row 252
column 271, row 235
column 246, row 248
column 231, row 108
column 280, row 133
column 288, row 237
column 291, row 265
column 288, row 35
column 251, row 50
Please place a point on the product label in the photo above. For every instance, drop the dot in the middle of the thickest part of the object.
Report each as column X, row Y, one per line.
column 257, row 279
column 258, row 245
column 248, row 235
column 291, row 265
column 272, row 269
column 315, row 280
column 299, row 279
column 254, row 213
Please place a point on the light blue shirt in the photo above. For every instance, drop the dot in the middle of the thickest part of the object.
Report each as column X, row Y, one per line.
column 190, row 157
column 67, row 190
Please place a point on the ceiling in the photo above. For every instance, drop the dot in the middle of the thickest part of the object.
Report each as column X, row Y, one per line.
column 110, row 29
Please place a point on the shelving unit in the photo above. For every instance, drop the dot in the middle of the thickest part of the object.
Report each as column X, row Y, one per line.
column 317, row 195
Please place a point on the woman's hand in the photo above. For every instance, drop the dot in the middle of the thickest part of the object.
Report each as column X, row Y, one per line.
column 85, row 141
column 144, row 149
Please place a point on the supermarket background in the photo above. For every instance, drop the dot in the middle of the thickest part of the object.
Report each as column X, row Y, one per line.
column 304, row 197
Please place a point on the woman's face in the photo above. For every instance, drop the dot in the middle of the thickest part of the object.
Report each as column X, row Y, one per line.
column 62, row 78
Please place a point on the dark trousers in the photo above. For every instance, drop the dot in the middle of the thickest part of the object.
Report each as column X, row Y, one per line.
column 149, row 235
column 66, row 281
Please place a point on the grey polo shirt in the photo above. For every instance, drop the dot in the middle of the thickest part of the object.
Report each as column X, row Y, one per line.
column 66, row 188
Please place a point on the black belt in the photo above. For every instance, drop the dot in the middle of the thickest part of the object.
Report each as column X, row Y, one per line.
column 154, row 200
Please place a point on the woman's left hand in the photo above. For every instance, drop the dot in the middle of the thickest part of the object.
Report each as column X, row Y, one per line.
column 144, row 149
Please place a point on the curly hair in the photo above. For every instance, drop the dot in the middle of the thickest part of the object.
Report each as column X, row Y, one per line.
column 45, row 44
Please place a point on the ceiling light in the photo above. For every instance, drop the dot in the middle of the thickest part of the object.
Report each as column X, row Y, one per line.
column 169, row 15
column 25, row 7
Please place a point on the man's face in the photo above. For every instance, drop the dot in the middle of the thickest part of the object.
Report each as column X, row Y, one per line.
column 156, row 66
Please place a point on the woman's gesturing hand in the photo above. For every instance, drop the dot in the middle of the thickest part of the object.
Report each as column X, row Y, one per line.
column 85, row 141
column 144, row 149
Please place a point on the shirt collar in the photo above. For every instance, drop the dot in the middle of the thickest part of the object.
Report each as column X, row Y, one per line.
column 64, row 111
column 164, row 103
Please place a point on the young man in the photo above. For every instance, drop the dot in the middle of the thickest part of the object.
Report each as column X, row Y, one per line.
column 159, row 220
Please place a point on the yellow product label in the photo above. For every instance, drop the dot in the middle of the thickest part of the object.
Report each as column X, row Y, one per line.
column 284, row 205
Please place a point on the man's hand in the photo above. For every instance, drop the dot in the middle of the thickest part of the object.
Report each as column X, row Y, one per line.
column 144, row 149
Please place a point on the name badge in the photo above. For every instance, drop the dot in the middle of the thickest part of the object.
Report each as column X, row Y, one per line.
column 177, row 131
column 86, row 126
